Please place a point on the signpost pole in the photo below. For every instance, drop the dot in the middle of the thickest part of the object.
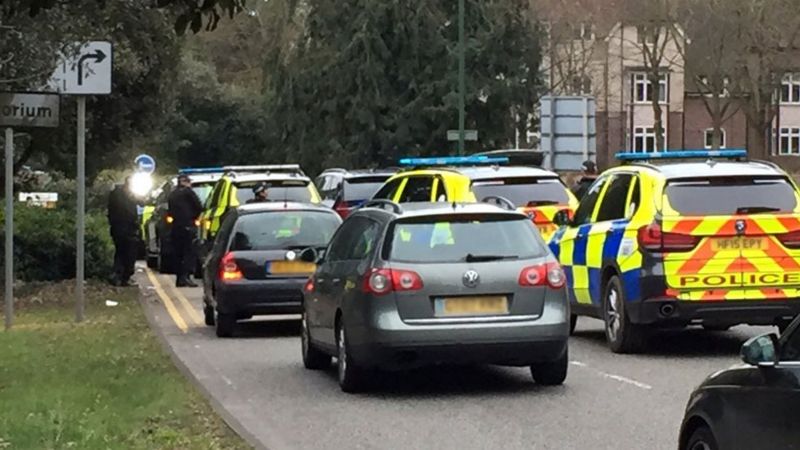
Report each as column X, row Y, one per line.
column 461, row 82
column 79, row 263
column 9, row 259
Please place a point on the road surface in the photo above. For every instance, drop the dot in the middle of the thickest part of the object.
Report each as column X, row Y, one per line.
column 608, row 401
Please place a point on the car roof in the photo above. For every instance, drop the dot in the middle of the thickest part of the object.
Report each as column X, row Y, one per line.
column 422, row 209
column 489, row 172
column 248, row 177
column 711, row 168
column 276, row 206
column 347, row 173
column 200, row 178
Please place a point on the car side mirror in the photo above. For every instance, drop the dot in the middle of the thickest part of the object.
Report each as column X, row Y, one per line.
column 562, row 218
column 761, row 350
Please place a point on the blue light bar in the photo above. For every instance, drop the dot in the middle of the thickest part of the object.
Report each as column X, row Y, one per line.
column 199, row 170
column 682, row 154
column 453, row 161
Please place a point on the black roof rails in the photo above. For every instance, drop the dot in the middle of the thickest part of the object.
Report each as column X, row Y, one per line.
column 381, row 203
column 499, row 201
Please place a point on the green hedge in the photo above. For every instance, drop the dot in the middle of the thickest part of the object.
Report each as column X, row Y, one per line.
column 44, row 244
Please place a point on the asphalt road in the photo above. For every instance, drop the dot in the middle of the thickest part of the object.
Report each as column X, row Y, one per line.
column 608, row 401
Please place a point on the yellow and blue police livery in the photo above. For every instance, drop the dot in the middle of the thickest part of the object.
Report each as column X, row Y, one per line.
column 681, row 238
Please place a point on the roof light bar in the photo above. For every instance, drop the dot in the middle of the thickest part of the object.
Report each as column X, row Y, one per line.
column 682, row 154
column 453, row 161
column 199, row 170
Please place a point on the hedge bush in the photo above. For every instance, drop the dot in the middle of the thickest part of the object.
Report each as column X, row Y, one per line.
column 44, row 244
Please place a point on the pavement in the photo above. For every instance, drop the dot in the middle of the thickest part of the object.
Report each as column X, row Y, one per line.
column 257, row 382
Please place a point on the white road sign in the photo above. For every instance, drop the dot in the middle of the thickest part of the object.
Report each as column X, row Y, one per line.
column 87, row 72
column 28, row 110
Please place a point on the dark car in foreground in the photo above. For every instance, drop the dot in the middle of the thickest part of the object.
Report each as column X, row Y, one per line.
column 402, row 286
column 255, row 268
column 751, row 406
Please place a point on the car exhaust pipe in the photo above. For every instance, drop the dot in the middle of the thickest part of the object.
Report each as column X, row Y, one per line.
column 667, row 309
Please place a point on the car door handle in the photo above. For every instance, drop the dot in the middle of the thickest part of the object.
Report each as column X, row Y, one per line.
column 336, row 281
column 320, row 280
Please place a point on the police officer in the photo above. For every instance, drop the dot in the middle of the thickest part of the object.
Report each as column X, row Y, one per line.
column 123, row 219
column 185, row 208
column 588, row 177
column 261, row 193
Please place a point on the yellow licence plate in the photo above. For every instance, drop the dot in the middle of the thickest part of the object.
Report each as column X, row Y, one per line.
column 281, row 267
column 474, row 306
column 739, row 243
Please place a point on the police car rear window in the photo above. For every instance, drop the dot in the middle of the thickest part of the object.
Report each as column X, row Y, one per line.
column 290, row 190
column 523, row 191
column 444, row 239
column 731, row 195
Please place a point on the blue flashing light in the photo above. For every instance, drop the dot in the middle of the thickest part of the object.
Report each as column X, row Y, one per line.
column 199, row 170
column 682, row 154
column 453, row 161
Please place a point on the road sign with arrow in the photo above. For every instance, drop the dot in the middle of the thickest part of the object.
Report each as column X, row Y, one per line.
column 86, row 71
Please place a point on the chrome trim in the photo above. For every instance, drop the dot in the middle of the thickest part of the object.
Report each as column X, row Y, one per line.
column 471, row 320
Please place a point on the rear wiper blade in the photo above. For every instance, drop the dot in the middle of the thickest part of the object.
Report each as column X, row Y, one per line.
column 756, row 209
column 542, row 203
column 486, row 258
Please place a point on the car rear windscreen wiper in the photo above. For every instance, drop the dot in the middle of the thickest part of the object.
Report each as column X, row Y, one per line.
column 756, row 209
column 486, row 258
column 533, row 203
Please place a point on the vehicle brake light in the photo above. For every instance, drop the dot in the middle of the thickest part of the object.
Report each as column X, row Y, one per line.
column 342, row 208
column 169, row 219
column 549, row 274
column 197, row 222
column 228, row 269
column 309, row 286
column 790, row 240
column 384, row 281
column 652, row 238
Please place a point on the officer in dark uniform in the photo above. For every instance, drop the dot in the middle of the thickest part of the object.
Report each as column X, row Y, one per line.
column 185, row 208
column 123, row 219
column 261, row 194
column 588, row 177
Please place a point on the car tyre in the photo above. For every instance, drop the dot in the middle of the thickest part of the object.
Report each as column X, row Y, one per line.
column 573, row 322
column 551, row 373
column 702, row 439
column 225, row 323
column 351, row 375
column 152, row 262
column 313, row 358
column 166, row 262
column 208, row 313
column 622, row 335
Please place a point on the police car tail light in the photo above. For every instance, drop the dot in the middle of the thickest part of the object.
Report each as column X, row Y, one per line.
column 652, row 238
column 228, row 269
column 384, row 281
column 790, row 240
column 549, row 274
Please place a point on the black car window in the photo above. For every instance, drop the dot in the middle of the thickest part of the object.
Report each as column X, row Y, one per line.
column 361, row 188
column 791, row 347
column 354, row 240
column 523, row 191
column 731, row 195
column 418, row 189
column 278, row 230
column 222, row 238
column 615, row 199
column 388, row 190
column 584, row 212
column 277, row 190
column 636, row 201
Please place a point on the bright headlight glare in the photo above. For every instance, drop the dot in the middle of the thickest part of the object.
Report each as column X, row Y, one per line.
column 141, row 184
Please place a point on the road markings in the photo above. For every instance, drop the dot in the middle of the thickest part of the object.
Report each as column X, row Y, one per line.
column 187, row 305
column 614, row 377
column 171, row 309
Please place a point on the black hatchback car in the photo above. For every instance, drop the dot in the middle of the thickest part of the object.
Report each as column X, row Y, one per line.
column 255, row 265
column 345, row 190
column 750, row 406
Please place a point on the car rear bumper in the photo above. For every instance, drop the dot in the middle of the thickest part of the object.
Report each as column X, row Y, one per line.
column 669, row 311
column 254, row 297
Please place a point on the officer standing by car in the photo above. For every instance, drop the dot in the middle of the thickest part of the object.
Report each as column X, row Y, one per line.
column 123, row 219
column 261, row 194
column 184, row 208
column 588, row 177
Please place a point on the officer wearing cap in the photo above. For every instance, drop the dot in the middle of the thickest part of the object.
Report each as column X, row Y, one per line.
column 588, row 177
column 261, row 194
column 185, row 208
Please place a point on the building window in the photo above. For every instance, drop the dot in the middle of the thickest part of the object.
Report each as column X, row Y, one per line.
column 709, row 138
column 790, row 89
column 583, row 32
column 644, row 140
column 789, row 141
column 581, row 85
column 706, row 86
column 643, row 90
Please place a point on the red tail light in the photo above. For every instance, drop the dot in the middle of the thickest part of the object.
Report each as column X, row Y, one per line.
column 342, row 208
column 790, row 240
column 309, row 286
column 549, row 274
column 228, row 269
column 384, row 281
column 653, row 239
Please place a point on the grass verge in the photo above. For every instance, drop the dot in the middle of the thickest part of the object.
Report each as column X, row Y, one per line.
column 104, row 383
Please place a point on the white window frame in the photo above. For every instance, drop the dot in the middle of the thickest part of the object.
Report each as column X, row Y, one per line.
column 791, row 85
column 792, row 136
column 640, row 79
column 643, row 136
column 725, row 83
column 583, row 32
column 708, row 138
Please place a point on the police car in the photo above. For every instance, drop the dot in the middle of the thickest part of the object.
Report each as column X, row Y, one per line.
column 683, row 237
column 534, row 191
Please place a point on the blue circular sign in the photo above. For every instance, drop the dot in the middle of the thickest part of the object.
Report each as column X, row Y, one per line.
column 145, row 163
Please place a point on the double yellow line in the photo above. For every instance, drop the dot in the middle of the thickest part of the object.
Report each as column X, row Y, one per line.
column 190, row 316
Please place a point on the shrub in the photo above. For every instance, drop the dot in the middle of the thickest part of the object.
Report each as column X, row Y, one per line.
column 44, row 244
